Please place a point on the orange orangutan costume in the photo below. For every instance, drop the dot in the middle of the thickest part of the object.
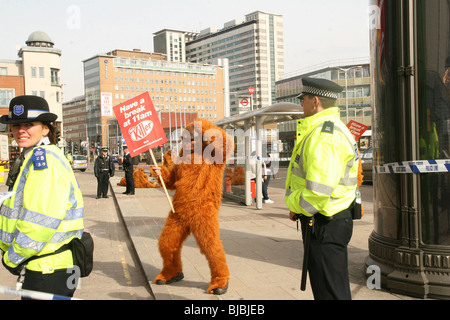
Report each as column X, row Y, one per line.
column 197, row 178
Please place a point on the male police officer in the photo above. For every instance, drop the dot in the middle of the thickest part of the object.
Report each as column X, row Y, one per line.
column 103, row 169
column 128, row 168
column 321, row 184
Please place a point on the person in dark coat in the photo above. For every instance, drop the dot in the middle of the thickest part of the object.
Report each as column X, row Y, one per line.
column 103, row 169
column 128, row 168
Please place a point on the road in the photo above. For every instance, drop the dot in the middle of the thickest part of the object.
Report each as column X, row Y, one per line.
column 117, row 275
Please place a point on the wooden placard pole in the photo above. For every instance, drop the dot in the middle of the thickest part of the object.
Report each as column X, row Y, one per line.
column 162, row 181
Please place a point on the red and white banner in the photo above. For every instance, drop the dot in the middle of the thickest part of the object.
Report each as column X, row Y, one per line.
column 140, row 124
column 357, row 129
column 106, row 104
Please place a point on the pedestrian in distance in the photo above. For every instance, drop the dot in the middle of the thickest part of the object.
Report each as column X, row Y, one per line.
column 69, row 157
column 45, row 213
column 265, row 177
column 103, row 169
column 321, row 188
column 128, row 168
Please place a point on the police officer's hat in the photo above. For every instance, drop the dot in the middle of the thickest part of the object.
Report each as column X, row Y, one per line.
column 320, row 87
column 104, row 148
column 27, row 109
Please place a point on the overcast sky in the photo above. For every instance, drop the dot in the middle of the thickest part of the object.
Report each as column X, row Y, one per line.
column 315, row 31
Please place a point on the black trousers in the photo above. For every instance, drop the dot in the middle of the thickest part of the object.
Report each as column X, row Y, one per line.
column 130, row 181
column 59, row 283
column 328, row 256
column 102, row 184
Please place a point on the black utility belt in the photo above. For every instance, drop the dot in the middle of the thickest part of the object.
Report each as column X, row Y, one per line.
column 345, row 214
column 320, row 217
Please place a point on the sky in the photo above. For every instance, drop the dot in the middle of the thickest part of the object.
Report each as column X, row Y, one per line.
column 315, row 31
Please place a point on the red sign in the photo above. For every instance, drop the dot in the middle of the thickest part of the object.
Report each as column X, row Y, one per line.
column 251, row 90
column 244, row 103
column 139, row 124
column 357, row 129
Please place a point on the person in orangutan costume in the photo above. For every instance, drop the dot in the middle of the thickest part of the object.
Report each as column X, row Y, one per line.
column 196, row 174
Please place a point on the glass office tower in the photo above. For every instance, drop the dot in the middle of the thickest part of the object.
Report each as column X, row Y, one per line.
column 410, row 52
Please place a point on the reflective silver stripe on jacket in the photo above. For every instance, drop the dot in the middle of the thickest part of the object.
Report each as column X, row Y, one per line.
column 308, row 207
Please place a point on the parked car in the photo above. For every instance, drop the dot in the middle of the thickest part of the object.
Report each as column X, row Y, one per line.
column 367, row 164
column 117, row 159
column 79, row 163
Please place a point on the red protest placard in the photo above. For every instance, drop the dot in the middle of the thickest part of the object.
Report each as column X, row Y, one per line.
column 140, row 124
column 357, row 129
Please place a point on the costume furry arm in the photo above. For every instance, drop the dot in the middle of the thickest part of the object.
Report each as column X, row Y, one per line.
column 168, row 170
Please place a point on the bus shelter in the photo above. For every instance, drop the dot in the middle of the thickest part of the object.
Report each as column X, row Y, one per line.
column 254, row 144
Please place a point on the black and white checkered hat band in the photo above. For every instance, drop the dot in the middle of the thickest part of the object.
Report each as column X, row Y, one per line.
column 319, row 92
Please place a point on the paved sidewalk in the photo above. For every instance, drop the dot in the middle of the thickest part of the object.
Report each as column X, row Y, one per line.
column 263, row 248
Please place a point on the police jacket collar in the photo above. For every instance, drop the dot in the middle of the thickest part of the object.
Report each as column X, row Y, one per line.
column 43, row 141
column 317, row 119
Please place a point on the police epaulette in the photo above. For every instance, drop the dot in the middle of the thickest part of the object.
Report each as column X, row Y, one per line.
column 328, row 127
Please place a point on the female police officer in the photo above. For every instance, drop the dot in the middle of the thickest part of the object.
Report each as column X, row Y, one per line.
column 46, row 211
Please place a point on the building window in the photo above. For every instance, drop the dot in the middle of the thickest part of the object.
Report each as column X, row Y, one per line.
column 5, row 97
column 33, row 72
column 54, row 76
column 41, row 72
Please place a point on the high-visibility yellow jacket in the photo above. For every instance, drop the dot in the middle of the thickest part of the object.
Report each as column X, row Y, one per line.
column 323, row 172
column 45, row 213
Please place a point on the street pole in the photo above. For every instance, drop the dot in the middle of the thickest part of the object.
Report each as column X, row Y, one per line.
column 346, row 95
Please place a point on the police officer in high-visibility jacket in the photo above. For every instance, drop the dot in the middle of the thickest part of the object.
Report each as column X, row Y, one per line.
column 46, row 211
column 321, row 183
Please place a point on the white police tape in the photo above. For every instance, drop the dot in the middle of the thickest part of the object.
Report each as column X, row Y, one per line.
column 36, row 295
column 417, row 167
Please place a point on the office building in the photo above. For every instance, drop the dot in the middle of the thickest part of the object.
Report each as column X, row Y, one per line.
column 74, row 118
column 172, row 43
column 355, row 101
column 36, row 72
column 174, row 87
column 254, row 50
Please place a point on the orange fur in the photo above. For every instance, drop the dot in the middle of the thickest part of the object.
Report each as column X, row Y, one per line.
column 196, row 202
